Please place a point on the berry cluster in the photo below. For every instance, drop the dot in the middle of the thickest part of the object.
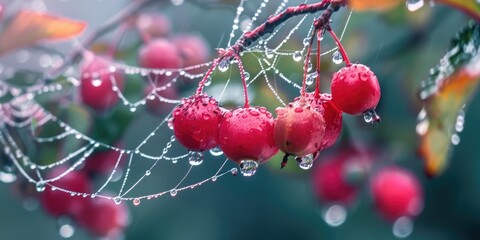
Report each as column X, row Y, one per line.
column 303, row 128
column 99, row 87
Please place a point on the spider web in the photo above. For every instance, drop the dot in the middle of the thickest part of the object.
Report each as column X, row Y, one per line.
column 156, row 164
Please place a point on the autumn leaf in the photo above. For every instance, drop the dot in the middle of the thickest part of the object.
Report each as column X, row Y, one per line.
column 373, row 5
column 450, row 86
column 28, row 28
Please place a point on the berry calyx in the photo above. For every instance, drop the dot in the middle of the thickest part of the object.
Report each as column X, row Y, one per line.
column 246, row 137
column 331, row 115
column 195, row 122
column 396, row 193
column 58, row 202
column 355, row 89
column 299, row 129
column 96, row 87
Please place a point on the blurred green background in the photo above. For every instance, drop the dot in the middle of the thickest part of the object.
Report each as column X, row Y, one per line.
column 399, row 46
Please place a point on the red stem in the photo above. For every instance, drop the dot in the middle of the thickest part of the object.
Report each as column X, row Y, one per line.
column 340, row 46
column 319, row 53
column 244, row 81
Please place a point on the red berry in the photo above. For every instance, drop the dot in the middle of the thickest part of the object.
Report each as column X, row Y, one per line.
column 331, row 177
column 396, row 193
column 246, row 137
column 153, row 25
column 96, row 88
column 58, row 202
column 194, row 50
column 331, row 115
column 158, row 106
column 195, row 122
column 299, row 129
column 355, row 89
column 103, row 162
column 162, row 54
column 102, row 217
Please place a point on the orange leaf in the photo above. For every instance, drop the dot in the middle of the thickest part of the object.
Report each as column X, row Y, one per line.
column 373, row 5
column 28, row 28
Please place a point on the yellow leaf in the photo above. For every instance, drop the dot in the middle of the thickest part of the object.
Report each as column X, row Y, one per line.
column 373, row 5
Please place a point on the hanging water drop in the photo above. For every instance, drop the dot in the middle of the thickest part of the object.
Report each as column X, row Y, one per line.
column 214, row 178
column 305, row 162
column 234, row 171
column 40, row 186
column 311, row 78
column 117, row 200
column 248, row 167
column 148, row 172
column 269, row 53
column 297, row 56
column 223, row 65
column 170, row 123
column 247, row 76
column 414, row 5
column 173, row 192
column 306, row 41
column 335, row 215
column 371, row 116
column 402, row 227
column 195, row 158
column 136, row 201
column 133, row 109
column 208, row 81
column 216, row 151
column 7, row 174
column 337, row 57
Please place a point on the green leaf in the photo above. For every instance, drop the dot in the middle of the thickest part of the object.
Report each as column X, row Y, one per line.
column 448, row 89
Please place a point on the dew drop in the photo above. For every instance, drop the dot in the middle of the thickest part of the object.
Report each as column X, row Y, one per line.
column 305, row 162
column 170, row 123
column 117, row 200
column 195, row 158
column 173, row 192
column 455, row 139
column 216, row 151
column 7, row 175
column 133, row 109
column 148, row 172
column 337, row 57
column 66, row 229
column 297, row 56
column 248, row 167
column 311, row 78
column 370, row 116
column 136, row 201
column 40, row 186
column 402, row 227
column 269, row 53
column 414, row 5
column 234, row 171
column 223, row 65
column 214, row 178
column 335, row 215
column 306, row 41
column 208, row 81
column 247, row 75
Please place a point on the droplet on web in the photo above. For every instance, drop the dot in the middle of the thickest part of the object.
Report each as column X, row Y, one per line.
column 297, row 56
column 335, row 215
column 216, row 151
column 402, row 227
column 195, row 158
column 248, row 167
column 305, row 162
column 337, row 57
column 414, row 5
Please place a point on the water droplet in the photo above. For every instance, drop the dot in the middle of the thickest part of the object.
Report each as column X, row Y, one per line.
column 216, row 151
column 335, row 215
column 170, row 123
column 136, row 201
column 173, row 192
column 234, row 171
column 337, row 57
column 305, row 162
column 66, row 229
column 402, row 227
column 247, row 75
column 311, row 78
column 455, row 139
column 297, row 56
column 40, row 186
column 371, row 116
column 214, row 178
column 208, row 81
column 310, row 66
column 269, row 53
column 248, row 167
column 306, row 41
column 414, row 5
column 195, row 158
column 148, row 172
column 117, row 200
column 223, row 65
column 133, row 109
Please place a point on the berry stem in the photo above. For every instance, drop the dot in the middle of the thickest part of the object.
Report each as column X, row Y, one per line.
column 244, row 81
column 340, row 46
column 319, row 53
column 201, row 84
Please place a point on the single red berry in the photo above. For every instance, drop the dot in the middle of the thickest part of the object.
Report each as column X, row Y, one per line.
column 396, row 193
column 194, row 50
column 355, row 89
column 57, row 202
column 103, row 218
column 103, row 162
column 154, row 25
column 195, row 122
column 335, row 179
column 331, row 115
column 96, row 87
column 161, row 106
column 299, row 129
column 246, row 137
column 161, row 54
